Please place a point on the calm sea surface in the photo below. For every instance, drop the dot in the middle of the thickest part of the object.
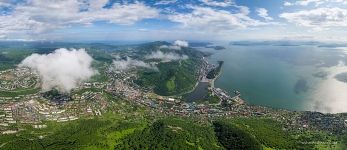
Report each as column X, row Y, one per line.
column 290, row 77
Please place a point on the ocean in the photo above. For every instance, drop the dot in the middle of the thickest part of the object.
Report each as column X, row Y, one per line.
column 293, row 77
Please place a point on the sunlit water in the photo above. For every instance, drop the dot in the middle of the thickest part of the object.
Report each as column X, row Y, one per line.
column 289, row 77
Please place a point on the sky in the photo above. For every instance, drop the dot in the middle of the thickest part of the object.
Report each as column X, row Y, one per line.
column 149, row 20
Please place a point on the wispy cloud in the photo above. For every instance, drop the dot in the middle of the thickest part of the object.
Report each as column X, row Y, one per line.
column 224, row 3
column 312, row 2
column 166, row 19
column 37, row 16
column 165, row 2
column 206, row 18
column 262, row 12
column 122, row 64
column 166, row 56
column 319, row 18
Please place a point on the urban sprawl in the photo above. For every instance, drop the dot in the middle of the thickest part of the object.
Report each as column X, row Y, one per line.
column 24, row 103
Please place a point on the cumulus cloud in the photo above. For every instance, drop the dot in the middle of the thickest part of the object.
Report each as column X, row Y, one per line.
column 318, row 18
column 166, row 57
column 206, row 18
column 129, row 63
column 177, row 45
column 181, row 43
column 262, row 12
column 63, row 69
column 38, row 16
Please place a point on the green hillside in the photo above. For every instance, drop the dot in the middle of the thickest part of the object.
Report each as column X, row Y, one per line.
column 172, row 134
column 174, row 77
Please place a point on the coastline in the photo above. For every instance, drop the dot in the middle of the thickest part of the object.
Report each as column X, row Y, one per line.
column 210, row 87
column 199, row 80
column 212, row 82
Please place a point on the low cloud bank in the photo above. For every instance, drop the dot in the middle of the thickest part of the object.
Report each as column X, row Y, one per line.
column 166, row 56
column 126, row 63
column 177, row 45
column 129, row 63
column 63, row 69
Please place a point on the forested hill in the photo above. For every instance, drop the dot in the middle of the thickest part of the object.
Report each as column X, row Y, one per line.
column 172, row 77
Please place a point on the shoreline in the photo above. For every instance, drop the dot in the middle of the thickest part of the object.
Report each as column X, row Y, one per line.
column 215, row 78
column 211, row 87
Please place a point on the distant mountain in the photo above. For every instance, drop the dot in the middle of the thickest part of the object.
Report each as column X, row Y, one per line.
column 274, row 43
column 333, row 45
column 200, row 44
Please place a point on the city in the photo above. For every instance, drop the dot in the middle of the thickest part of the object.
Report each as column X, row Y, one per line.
column 92, row 99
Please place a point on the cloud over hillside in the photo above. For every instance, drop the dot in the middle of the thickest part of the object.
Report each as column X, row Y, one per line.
column 129, row 63
column 63, row 69
column 181, row 43
column 166, row 56
column 177, row 45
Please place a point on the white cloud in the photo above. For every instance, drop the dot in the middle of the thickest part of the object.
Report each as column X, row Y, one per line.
column 181, row 43
column 37, row 16
column 165, row 2
column 177, row 45
column 319, row 18
column 129, row 63
column 63, row 69
column 304, row 2
column 224, row 3
column 307, row 2
column 205, row 18
column 166, row 57
column 262, row 12
column 4, row 4
column 123, row 64
column 313, row 2
column 288, row 4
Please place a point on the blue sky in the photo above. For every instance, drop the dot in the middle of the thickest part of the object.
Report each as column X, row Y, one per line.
column 130, row 20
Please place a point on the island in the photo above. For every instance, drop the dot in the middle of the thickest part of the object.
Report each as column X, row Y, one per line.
column 216, row 47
